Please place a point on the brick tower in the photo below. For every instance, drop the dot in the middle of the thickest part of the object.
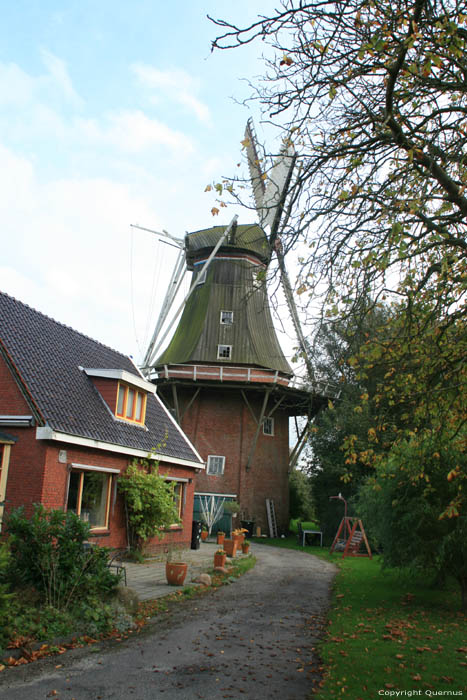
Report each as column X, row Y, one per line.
column 225, row 378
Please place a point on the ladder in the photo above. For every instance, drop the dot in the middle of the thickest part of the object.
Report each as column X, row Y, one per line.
column 271, row 518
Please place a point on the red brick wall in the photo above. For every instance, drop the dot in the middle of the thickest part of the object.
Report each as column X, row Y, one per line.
column 25, row 473
column 55, row 493
column 220, row 423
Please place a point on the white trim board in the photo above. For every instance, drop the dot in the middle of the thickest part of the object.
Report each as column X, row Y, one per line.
column 47, row 433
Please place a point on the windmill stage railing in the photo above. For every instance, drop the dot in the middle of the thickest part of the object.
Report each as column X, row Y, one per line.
column 221, row 373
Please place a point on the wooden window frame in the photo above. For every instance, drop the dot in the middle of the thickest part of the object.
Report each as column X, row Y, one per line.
column 82, row 473
column 226, row 323
column 224, row 357
column 223, row 465
column 269, row 421
column 4, row 464
column 126, row 388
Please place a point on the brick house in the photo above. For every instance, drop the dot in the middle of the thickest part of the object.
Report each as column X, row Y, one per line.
column 73, row 414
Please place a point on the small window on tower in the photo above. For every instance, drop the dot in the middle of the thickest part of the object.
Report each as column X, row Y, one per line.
column 216, row 465
column 224, row 352
column 201, row 278
column 227, row 318
column 268, row 426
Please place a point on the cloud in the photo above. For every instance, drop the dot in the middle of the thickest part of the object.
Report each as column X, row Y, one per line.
column 59, row 73
column 132, row 131
column 175, row 84
column 18, row 88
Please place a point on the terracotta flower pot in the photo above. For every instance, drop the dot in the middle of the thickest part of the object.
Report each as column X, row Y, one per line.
column 175, row 572
column 238, row 539
column 230, row 547
column 245, row 547
column 219, row 560
column 220, row 537
column 204, row 535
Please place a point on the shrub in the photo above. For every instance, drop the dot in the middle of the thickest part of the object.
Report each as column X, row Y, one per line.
column 5, row 596
column 150, row 501
column 48, row 555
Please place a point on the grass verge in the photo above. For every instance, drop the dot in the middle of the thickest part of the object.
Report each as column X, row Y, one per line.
column 390, row 634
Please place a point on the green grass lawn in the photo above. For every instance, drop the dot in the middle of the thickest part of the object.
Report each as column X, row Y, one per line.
column 389, row 631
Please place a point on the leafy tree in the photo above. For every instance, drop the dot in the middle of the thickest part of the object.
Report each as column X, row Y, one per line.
column 401, row 505
column 301, row 500
column 374, row 96
column 150, row 501
column 345, row 423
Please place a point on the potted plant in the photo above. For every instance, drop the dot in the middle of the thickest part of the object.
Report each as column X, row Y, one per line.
column 219, row 558
column 204, row 533
column 220, row 537
column 175, row 571
column 245, row 547
column 232, row 507
column 230, row 546
column 239, row 535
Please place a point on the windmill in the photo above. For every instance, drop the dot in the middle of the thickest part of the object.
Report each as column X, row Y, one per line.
column 223, row 373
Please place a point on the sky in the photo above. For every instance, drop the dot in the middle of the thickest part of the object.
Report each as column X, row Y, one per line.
column 114, row 113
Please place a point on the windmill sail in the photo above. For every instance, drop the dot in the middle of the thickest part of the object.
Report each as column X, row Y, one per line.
column 269, row 199
column 269, row 189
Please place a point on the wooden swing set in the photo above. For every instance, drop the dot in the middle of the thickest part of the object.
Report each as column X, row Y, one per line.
column 353, row 528
column 350, row 535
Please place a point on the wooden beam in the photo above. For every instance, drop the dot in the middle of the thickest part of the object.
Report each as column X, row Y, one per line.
column 176, row 406
column 258, row 428
column 190, row 403
column 249, row 406
column 275, row 407
column 299, row 445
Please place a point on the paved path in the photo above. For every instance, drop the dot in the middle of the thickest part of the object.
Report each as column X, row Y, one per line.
column 253, row 639
column 149, row 581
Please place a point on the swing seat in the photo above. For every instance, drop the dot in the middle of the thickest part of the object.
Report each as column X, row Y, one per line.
column 340, row 545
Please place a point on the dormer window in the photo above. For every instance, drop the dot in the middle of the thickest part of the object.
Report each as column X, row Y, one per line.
column 226, row 318
column 131, row 404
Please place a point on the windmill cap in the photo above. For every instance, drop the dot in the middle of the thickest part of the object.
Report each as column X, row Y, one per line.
column 248, row 238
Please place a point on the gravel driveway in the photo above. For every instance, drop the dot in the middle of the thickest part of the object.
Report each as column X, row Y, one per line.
column 253, row 639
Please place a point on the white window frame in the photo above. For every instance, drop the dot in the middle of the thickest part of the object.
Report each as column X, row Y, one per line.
column 227, row 323
column 270, row 422
column 81, row 470
column 201, row 276
column 222, row 465
column 224, row 357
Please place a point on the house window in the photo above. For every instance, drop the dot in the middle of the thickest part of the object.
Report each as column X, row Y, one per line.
column 224, row 352
column 268, row 426
column 4, row 462
column 89, row 497
column 178, row 498
column 226, row 318
column 131, row 404
column 216, row 465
